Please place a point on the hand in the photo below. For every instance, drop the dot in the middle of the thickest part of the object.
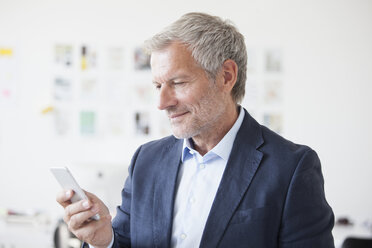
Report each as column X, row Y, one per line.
column 96, row 233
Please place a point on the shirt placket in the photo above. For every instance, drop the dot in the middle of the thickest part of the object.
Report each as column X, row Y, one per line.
column 191, row 202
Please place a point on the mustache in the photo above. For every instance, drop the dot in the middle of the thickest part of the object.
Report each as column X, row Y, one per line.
column 175, row 110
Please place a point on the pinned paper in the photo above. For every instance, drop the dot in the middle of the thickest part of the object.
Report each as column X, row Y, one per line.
column 6, row 52
column 47, row 110
column 8, row 72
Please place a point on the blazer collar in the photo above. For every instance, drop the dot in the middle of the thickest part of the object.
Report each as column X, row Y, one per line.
column 164, row 193
column 240, row 169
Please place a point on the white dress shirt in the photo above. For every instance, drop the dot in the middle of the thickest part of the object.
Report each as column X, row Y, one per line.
column 197, row 184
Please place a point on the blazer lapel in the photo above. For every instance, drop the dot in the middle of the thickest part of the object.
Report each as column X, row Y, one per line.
column 164, row 192
column 240, row 169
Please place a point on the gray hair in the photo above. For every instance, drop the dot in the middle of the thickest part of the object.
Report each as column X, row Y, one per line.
column 211, row 41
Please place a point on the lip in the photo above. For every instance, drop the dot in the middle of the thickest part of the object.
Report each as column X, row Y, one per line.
column 174, row 116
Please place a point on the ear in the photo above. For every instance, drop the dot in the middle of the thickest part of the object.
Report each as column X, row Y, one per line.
column 229, row 74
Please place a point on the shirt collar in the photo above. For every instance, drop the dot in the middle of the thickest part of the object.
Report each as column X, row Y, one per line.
column 224, row 147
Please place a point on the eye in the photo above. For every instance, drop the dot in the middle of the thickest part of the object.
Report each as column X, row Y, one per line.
column 157, row 86
column 178, row 83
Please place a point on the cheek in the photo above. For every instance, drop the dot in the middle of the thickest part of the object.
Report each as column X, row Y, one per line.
column 195, row 92
column 187, row 97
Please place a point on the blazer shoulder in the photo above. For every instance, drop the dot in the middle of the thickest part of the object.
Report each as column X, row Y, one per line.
column 282, row 147
column 253, row 134
column 156, row 148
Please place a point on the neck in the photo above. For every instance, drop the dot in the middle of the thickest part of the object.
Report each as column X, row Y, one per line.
column 205, row 141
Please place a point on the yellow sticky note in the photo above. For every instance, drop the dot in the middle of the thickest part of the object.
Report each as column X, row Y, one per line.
column 6, row 52
column 47, row 110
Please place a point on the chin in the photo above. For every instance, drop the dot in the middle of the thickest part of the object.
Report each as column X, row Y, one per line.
column 181, row 134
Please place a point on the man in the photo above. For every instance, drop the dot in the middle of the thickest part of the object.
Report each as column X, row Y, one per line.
column 222, row 180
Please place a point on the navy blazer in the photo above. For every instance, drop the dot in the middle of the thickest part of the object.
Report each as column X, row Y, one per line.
column 271, row 195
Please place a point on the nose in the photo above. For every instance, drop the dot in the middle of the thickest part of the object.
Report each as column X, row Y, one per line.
column 167, row 97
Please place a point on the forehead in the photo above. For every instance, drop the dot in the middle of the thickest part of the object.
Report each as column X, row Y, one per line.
column 172, row 60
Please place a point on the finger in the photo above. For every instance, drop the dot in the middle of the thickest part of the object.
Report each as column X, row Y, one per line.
column 64, row 197
column 82, row 218
column 96, row 224
column 90, row 229
column 75, row 208
column 96, row 201
column 92, row 197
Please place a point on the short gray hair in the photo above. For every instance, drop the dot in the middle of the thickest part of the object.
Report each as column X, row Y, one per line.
column 211, row 41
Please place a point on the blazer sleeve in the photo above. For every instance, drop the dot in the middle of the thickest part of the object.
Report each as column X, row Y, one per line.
column 121, row 222
column 307, row 218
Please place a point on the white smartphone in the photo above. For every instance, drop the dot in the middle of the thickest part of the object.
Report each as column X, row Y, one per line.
column 67, row 181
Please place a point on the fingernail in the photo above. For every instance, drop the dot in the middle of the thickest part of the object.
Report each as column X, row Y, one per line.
column 86, row 204
column 68, row 193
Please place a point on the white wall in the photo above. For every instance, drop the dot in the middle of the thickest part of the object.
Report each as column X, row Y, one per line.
column 328, row 81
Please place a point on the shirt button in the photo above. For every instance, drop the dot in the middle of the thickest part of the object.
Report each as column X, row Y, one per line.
column 192, row 200
column 183, row 236
column 202, row 166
